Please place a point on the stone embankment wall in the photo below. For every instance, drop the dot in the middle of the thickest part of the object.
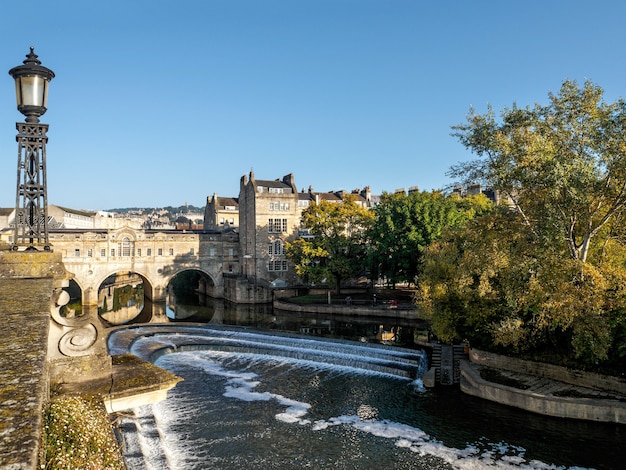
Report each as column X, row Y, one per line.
column 380, row 310
column 549, row 371
column 593, row 404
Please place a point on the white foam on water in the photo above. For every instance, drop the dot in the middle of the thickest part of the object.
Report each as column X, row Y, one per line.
column 241, row 385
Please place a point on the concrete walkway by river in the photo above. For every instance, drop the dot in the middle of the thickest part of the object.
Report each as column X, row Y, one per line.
column 544, row 389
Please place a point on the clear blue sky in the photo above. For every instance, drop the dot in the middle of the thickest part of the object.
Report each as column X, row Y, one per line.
column 160, row 103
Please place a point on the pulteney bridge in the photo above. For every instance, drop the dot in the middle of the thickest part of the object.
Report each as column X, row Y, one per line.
column 157, row 256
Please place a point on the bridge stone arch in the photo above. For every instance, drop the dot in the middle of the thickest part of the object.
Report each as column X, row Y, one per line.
column 204, row 273
column 93, row 255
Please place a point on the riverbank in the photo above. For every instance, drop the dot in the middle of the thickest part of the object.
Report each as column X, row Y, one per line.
column 534, row 387
column 350, row 309
column 543, row 388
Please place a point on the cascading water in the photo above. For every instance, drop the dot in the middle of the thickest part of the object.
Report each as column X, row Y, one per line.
column 262, row 400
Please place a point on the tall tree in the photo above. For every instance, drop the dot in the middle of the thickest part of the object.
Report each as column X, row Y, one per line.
column 404, row 225
column 548, row 276
column 563, row 164
column 338, row 247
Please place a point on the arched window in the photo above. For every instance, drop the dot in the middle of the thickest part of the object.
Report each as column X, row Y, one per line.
column 126, row 247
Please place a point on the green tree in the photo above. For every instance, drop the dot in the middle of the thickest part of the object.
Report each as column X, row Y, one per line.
column 404, row 225
column 562, row 165
column 338, row 247
column 492, row 284
column 548, row 276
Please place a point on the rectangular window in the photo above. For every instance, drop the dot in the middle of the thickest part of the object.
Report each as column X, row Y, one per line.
column 284, row 225
column 192, row 252
column 211, row 251
column 221, row 220
column 138, row 251
column 270, row 249
column 231, row 252
column 103, row 253
column 160, row 252
column 89, row 253
column 149, row 252
column 171, row 251
column 77, row 252
column 284, row 262
column 112, row 252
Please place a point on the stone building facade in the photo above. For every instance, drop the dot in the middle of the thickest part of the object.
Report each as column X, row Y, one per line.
column 268, row 219
column 269, row 215
column 221, row 212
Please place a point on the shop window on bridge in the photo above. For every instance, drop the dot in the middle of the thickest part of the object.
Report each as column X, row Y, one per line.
column 149, row 252
column 138, row 251
column 103, row 253
column 160, row 252
column 90, row 253
column 112, row 252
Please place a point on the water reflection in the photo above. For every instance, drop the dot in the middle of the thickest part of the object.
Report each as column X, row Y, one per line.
column 121, row 298
column 203, row 309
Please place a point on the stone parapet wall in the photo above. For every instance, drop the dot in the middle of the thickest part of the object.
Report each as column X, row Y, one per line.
column 562, row 374
column 27, row 280
column 24, row 386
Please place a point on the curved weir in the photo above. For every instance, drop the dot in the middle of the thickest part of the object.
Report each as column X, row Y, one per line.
column 256, row 399
column 151, row 342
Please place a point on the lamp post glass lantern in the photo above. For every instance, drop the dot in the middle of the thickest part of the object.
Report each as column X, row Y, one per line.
column 31, row 207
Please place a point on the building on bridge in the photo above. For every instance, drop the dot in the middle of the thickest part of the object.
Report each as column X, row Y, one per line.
column 240, row 249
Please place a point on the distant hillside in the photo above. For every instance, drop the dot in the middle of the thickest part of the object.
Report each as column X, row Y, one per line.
column 149, row 210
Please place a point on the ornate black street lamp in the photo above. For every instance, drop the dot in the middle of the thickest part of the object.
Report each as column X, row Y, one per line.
column 31, row 207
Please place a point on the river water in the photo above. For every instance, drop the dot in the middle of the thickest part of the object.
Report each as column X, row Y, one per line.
column 257, row 397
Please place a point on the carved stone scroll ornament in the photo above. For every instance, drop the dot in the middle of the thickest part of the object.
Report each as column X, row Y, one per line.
column 78, row 341
column 82, row 334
